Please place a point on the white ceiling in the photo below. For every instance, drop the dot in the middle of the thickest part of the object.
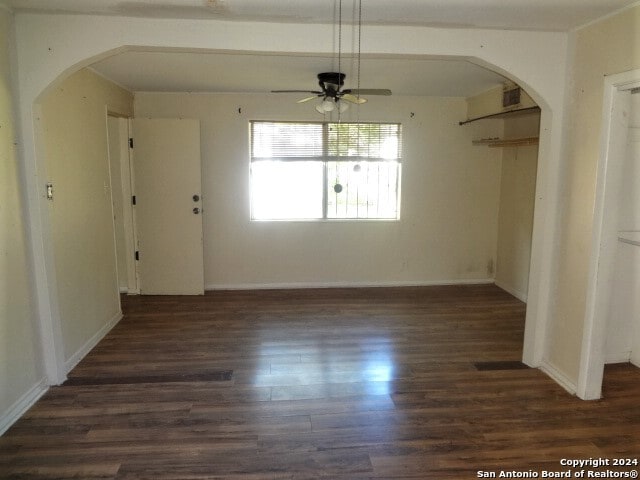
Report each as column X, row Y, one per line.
column 225, row 72
column 560, row 15
column 238, row 72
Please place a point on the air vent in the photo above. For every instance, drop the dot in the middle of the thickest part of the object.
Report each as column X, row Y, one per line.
column 504, row 365
column 511, row 97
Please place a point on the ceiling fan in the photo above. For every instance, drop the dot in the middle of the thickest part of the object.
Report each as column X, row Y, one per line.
column 331, row 83
column 331, row 91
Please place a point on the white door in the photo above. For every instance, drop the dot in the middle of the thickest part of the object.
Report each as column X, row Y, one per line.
column 166, row 159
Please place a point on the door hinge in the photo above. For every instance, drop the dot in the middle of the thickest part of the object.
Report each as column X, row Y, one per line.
column 133, row 200
column 137, row 255
column 131, row 143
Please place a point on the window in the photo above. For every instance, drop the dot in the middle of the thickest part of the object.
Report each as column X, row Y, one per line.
column 303, row 171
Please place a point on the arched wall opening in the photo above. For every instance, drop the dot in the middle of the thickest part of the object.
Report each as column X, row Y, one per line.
column 69, row 46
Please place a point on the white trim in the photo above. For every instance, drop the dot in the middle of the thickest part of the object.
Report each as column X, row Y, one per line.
column 617, row 357
column 124, row 290
column 91, row 343
column 635, row 360
column 24, row 403
column 129, row 214
column 543, row 268
column 522, row 296
column 558, row 376
column 604, row 235
column 605, row 17
column 308, row 285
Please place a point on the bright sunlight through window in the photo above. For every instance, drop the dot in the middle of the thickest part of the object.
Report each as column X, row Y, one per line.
column 306, row 171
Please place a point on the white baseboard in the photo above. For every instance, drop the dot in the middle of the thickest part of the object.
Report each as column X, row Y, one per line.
column 23, row 404
column 522, row 296
column 559, row 377
column 91, row 343
column 124, row 289
column 617, row 357
column 307, row 285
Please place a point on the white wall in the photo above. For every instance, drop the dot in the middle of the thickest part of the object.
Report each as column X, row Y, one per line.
column 450, row 191
column 623, row 319
column 517, row 198
column 20, row 372
column 74, row 128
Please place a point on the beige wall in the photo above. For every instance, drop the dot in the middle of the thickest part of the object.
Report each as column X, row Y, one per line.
column 490, row 103
column 74, row 126
column 19, row 365
column 517, row 197
column 607, row 47
column 450, row 191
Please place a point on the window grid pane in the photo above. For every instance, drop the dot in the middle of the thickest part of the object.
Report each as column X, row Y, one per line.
column 366, row 140
column 286, row 190
column 324, row 170
column 280, row 139
column 362, row 190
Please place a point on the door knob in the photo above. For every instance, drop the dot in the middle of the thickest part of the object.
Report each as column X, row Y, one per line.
column 196, row 211
column 196, row 198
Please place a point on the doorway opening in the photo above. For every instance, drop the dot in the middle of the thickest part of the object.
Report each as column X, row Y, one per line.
column 612, row 323
column 532, row 296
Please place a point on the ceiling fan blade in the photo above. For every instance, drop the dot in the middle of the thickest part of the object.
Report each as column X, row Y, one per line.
column 368, row 91
column 297, row 91
column 353, row 99
column 306, row 99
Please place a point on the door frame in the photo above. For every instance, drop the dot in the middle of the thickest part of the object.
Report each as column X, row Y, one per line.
column 128, row 210
column 613, row 145
column 131, row 233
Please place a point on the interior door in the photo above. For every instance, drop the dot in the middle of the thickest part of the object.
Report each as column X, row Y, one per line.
column 167, row 167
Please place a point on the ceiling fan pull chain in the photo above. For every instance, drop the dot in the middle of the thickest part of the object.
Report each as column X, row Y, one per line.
column 339, row 35
column 339, row 54
column 359, row 54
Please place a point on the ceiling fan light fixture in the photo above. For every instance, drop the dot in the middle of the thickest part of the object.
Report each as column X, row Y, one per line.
column 327, row 105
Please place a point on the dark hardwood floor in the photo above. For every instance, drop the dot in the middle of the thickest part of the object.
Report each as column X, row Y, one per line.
column 398, row 383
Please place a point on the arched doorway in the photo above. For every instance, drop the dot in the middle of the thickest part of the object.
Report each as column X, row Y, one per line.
column 64, row 56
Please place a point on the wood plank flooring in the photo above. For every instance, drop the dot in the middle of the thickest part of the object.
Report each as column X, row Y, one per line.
column 397, row 383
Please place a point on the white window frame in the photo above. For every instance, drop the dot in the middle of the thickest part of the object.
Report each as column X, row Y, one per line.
column 326, row 159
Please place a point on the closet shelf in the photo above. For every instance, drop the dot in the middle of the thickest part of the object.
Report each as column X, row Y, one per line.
column 507, row 142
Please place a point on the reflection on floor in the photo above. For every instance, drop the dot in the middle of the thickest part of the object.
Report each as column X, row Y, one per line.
column 351, row 384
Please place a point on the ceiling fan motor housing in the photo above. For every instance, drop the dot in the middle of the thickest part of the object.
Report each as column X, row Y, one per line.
column 331, row 81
